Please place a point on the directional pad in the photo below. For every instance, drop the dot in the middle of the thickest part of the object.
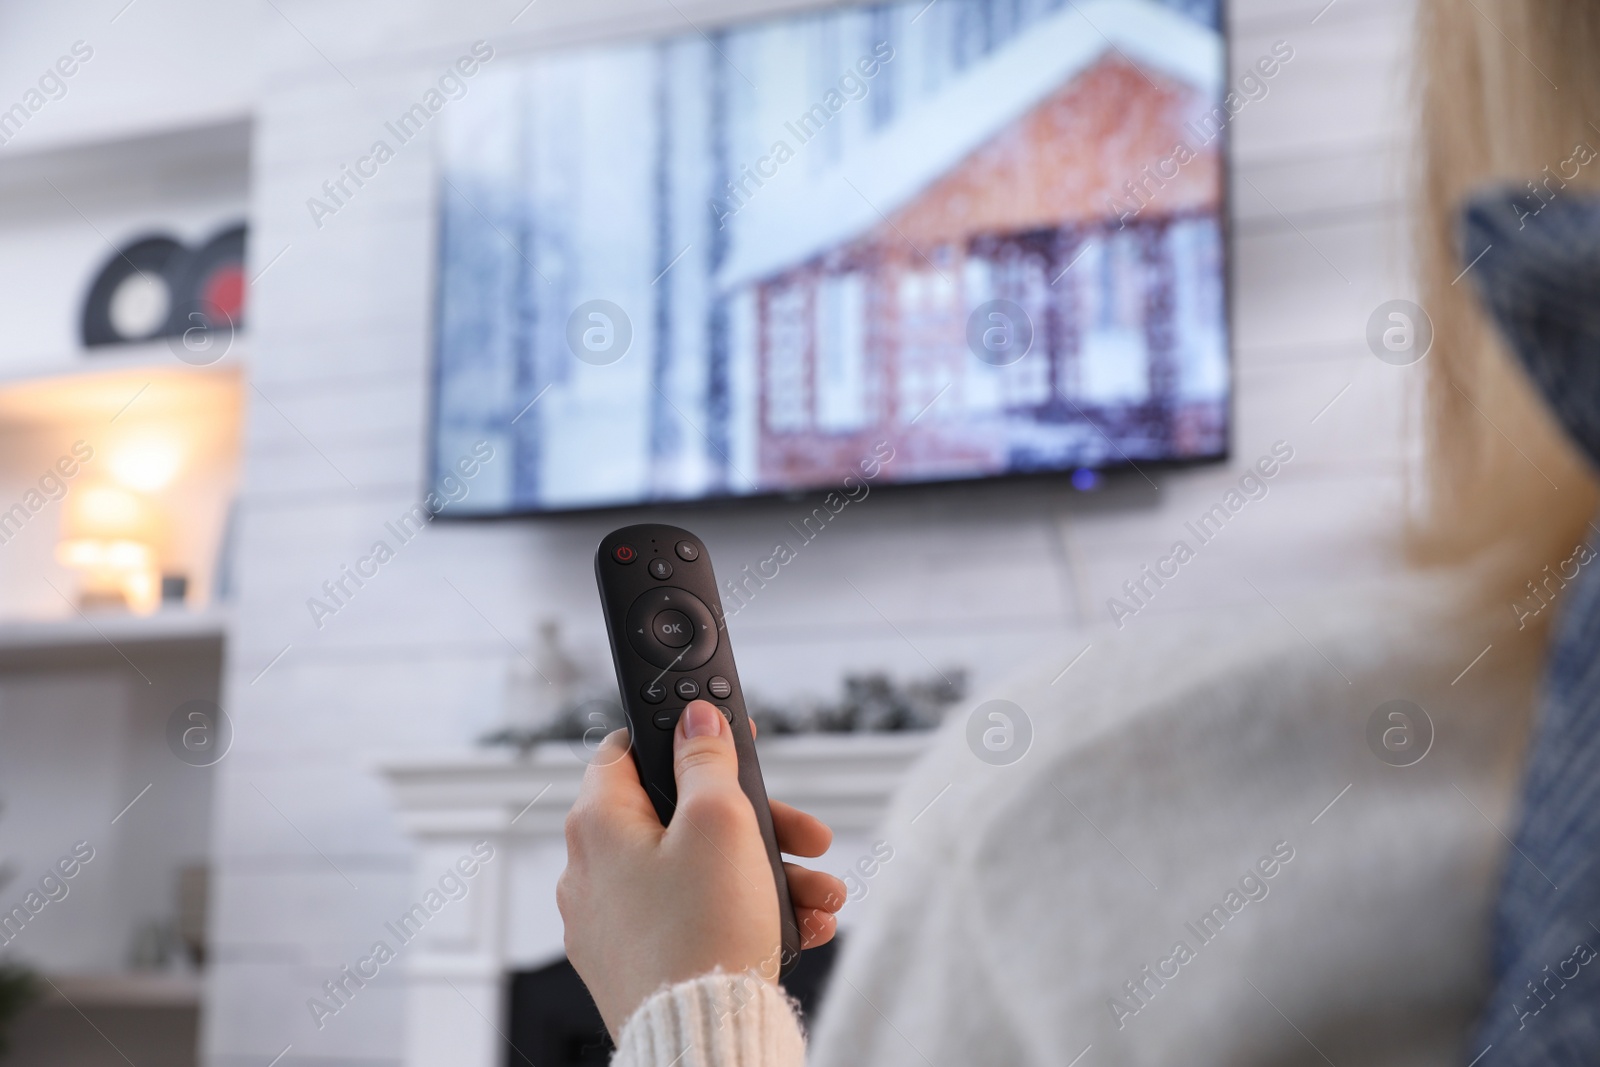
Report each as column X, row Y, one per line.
column 672, row 629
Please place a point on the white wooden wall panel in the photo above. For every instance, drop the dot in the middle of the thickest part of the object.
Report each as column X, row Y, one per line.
column 987, row 576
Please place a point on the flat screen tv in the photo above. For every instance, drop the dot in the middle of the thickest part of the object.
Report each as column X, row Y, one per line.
column 985, row 237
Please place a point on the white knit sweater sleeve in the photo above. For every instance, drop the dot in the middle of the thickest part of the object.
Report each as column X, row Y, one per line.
column 716, row 1020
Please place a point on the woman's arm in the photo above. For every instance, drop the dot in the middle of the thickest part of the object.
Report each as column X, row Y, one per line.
column 654, row 913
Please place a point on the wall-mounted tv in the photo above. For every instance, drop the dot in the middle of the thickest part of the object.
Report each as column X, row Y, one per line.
column 986, row 233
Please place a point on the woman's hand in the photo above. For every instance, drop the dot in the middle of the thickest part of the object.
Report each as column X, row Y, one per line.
column 647, row 905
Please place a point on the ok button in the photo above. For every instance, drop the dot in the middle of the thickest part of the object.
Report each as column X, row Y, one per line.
column 673, row 628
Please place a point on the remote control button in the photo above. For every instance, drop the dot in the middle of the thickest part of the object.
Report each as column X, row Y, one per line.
column 687, row 688
column 688, row 551
column 645, row 639
column 624, row 554
column 726, row 714
column 719, row 687
column 666, row 720
column 660, row 568
column 672, row 628
column 653, row 692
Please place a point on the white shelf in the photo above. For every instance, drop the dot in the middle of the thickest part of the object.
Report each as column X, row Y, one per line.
column 124, row 989
column 219, row 140
column 132, row 360
column 92, row 633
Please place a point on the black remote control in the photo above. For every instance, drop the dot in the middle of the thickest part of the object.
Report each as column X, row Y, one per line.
column 669, row 642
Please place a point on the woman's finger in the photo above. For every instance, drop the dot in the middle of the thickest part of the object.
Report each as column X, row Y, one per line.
column 610, row 795
column 799, row 834
column 816, row 927
column 814, row 889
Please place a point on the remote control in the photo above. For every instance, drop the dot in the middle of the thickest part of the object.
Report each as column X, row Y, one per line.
column 669, row 642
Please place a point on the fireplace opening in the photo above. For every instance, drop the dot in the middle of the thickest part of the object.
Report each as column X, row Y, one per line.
column 554, row 1023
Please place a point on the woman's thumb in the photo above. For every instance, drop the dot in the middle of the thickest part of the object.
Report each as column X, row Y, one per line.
column 704, row 760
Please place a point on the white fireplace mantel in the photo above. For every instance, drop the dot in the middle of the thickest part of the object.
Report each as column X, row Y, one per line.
column 457, row 965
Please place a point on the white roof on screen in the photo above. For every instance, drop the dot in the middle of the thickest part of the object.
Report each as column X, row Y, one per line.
column 794, row 219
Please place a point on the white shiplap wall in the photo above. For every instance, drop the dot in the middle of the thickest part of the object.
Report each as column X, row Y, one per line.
column 309, row 859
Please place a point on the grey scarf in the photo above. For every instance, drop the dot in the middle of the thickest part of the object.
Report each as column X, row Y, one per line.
column 1539, row 274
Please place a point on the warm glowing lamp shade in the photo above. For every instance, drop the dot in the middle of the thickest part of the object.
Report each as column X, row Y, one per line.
column 145, row 464
column 112, row 534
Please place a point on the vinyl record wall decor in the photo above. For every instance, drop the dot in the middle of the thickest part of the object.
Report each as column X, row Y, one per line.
column 155, row 287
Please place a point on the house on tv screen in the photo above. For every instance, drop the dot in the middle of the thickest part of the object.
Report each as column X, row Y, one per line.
column 1076, row 172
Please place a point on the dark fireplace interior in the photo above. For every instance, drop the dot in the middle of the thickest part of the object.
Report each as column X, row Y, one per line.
column 555, row 1024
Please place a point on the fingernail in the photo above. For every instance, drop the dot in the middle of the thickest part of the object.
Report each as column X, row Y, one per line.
column 701, row 720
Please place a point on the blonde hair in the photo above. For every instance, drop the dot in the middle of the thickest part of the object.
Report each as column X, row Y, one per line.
column 1503, row 483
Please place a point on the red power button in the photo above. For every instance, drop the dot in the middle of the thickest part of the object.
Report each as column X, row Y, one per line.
column 624, row 554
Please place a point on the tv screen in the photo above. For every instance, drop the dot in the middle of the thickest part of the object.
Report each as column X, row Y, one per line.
column 977, row 237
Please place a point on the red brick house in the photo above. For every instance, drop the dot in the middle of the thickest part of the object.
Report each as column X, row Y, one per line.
column 1019, row 192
